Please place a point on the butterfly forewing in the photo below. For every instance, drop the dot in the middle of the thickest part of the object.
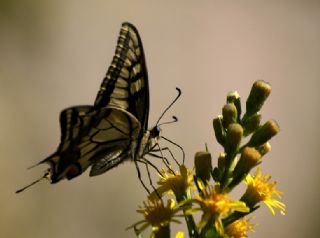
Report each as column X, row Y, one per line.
column 126, row 82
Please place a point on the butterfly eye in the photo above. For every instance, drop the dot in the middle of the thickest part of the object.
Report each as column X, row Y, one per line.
column 155, row 131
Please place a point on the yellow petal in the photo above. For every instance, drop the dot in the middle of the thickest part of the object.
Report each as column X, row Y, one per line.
column 180, row 234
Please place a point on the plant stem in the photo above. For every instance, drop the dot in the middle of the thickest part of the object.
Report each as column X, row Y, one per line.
column 192, row 228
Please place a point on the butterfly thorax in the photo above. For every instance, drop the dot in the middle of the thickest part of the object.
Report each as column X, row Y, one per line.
column 148, row 142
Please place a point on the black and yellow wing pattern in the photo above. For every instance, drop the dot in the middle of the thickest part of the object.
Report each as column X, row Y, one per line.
column 115, row 128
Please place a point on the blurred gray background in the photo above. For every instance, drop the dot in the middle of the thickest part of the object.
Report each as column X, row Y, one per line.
column 54, row 54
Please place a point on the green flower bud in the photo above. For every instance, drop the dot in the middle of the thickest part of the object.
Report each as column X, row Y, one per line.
column 234, row 136
column 248, row 159
column 219, row 131
column 229, row 113
column 218, row 171
column 264, row 133
column 251, row 123
column 203, row 165
column 216, row 174
column 258, row 94
column 234, row 97
column 221, row 160
column 264, row 148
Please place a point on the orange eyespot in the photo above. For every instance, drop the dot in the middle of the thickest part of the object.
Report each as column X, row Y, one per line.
column 73, row 171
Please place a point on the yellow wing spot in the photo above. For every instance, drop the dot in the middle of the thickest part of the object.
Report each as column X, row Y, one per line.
column 119, row 93
column 134, row 37
column 118, row 103
column 127, row 63
column 125, row 28
column 136, row 69
column 131, row 55
column 124, row 73
column 136, row 86
column 121, row 83
column 138, row 52
column 131, row 44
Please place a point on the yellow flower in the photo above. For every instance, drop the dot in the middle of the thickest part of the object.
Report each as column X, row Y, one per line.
column 216, row 205
column 238, row 229
column 260, row 189
column 180, row 234
column 177, row 183
column 157, row 215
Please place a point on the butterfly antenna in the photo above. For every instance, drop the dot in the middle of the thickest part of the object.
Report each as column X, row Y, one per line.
column 175, row 119
column 33, row 183
column 35, row 165
column 164, row 112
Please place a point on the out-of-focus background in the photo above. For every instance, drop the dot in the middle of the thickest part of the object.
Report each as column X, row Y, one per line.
column 54, row 54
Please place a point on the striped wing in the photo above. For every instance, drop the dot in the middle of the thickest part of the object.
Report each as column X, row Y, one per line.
column 126, row 82
column 125, row 86
column 100, row 135
column 71, row 124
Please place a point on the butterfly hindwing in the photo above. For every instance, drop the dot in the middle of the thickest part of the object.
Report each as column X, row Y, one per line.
column 72, row 123
column 95, row 135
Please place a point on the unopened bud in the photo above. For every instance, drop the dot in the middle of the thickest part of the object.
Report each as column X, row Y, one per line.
column 234, row 136
column 264, row 133
column 251, row 123
column 229, row 113
column 248, row 159
column 221, row 160
column 259, row 93
column 219, row 130
column 234, row 97
column 202, row 162
column 219, row 170
column 264, row 148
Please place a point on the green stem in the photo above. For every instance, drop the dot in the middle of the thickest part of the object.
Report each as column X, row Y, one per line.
column 209, row 230
column 193, row 233
column 163, row 232
column 236, row 216
column 192, row 228
column 226, row 174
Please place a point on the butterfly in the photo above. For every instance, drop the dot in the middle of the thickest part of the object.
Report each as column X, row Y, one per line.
column 115, row 128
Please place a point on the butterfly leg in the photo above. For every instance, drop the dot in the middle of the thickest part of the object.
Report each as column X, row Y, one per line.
column 147, row 163
column 161, row 156
column 170, row 152
column 179, row 146
column 164, row 159
column 139, row 176
column 162, row 149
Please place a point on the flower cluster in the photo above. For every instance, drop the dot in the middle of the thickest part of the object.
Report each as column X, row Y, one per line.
column 206, row 189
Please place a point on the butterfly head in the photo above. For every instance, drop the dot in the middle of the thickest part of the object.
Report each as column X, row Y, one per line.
column 155, row 131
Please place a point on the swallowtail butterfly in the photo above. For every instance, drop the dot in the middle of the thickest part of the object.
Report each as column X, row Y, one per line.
column 115, row 128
